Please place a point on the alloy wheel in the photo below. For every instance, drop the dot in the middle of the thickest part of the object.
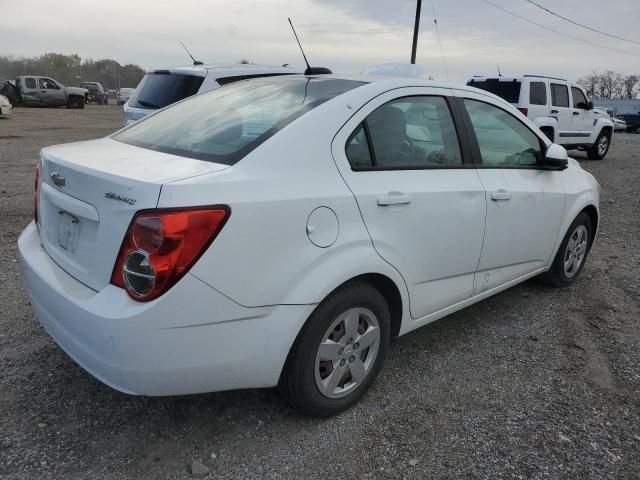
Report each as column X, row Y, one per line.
column 347, row 352
column 575, row 251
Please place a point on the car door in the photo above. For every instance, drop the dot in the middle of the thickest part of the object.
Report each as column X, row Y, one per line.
column 582, row 121
column 525, row 203
column 51, row 93
column 562, row 111
column 30, row 91
column 419, row 195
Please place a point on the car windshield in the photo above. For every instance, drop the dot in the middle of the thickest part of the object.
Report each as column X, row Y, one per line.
column 507, row 90
column 225, row 124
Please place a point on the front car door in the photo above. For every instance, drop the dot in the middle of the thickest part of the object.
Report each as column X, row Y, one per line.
column 51, row 93
column 582, row 122
column 419, row 195
column 525, row 203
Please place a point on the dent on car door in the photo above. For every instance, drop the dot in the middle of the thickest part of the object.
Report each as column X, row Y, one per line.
column 525, row 203
column 421, row 202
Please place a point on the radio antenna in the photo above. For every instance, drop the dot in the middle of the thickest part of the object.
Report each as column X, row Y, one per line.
column 310, row 70
column 195, row 62
column 499, row 72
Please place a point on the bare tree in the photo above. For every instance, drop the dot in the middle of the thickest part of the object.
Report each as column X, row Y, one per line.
column 631, row 84
column 590, row 83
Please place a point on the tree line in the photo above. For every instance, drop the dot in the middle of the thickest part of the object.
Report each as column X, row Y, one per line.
column 71, row 70
column 610, row 84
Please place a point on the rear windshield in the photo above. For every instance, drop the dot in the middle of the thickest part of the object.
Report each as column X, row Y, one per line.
column 225, row 124
column 508, row 90
column 159, row 89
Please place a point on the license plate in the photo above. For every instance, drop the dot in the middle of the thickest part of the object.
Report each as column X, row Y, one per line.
column 68, row 231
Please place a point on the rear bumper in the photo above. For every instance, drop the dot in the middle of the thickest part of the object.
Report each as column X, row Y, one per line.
column 191, row 340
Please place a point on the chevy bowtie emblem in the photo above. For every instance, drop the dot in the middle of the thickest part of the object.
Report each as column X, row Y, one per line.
column 58, row 179
column 120, row 198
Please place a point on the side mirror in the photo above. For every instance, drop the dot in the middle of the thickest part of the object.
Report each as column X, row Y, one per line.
column 556, row 158
column 589, row 105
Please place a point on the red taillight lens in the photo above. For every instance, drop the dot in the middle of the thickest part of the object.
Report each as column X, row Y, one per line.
column 524, row 111
column 35, row 196
column 161, row 245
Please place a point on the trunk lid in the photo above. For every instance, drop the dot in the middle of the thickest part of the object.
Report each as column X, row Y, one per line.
column 89, row 193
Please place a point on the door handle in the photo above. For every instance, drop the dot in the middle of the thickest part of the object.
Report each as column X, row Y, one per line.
column 394, row 198
column 500, row 195
column 576, row 113
column 554, row 111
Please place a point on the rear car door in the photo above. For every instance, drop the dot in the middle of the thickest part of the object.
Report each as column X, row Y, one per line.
column 29, row 90
column 524, row 202
column 561, row 110
column 419, row 195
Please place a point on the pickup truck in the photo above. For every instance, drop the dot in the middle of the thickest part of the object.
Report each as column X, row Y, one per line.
column 44, row 91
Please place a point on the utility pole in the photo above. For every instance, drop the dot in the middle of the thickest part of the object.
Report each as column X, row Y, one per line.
column 416, row 28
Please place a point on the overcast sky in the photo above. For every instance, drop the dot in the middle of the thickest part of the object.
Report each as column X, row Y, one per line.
column 345, row 35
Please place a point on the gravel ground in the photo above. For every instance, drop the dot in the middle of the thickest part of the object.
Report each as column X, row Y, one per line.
column 532, row 383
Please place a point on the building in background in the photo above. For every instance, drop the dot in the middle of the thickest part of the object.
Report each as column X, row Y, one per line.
column 619, row 106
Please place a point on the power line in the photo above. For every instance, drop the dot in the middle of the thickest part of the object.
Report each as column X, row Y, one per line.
column 435, row 21
column 580, row 24
column 557, row 31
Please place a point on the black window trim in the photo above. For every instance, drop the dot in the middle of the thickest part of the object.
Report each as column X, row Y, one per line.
column 475, row 146
column 465, row 151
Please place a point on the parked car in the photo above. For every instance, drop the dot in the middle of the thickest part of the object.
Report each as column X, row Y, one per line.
column 9, row 90
column 124, row 95
column 5, row 105
column 45, row 92
column 280, row 231
column 632, row 121
column 619, row 125
column 95, row 93
column 559, row 108
column 162, row 87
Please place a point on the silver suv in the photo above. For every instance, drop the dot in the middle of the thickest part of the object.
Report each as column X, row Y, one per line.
column 162, row 87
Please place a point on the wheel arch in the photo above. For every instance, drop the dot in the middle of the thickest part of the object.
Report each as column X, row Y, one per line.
column 592, row 212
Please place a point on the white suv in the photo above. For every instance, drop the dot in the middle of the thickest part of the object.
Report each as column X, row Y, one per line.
column 162, row 87
column 559, row 108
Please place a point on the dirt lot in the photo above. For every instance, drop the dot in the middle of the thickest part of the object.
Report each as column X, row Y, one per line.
column 532, row 383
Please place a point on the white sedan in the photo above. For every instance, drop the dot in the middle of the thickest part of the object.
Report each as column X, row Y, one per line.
column 5, row 105
column 280, row 231
column 124, row 94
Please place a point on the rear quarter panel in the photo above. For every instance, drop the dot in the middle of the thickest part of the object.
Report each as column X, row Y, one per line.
column 263, row 255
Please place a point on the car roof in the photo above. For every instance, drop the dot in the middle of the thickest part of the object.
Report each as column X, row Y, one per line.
column 227, row 70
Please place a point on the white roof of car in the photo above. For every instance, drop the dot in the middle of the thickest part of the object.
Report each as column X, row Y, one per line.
column 227, row 70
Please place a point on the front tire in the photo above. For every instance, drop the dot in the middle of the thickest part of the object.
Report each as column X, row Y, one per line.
column 572, row 254
column 339, row 351
column 600, row 148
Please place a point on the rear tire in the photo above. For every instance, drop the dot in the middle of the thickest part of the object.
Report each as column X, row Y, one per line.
column 572, row 254
column 353, row 327
column 75, row 102
column 600, row 148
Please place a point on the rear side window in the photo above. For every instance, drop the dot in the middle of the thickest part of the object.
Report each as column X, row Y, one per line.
column 537, row 93
column 30, row 82
column 559, row 95
column 579, row 100
column 509, row 90
column 159, row 89
column 406, row 133
column 237, row 78
column 225, row 124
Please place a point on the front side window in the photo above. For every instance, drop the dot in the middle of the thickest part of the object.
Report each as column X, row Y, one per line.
column 537, row 93
column 406, row 133
column 48, row 84
column 579, row 100
column 559, row 95
column 503, row 140
column 225, row 124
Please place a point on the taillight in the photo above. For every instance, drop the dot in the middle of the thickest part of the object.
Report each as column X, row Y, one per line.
column 524, row 111
column 160, row 246
column 35, row 196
